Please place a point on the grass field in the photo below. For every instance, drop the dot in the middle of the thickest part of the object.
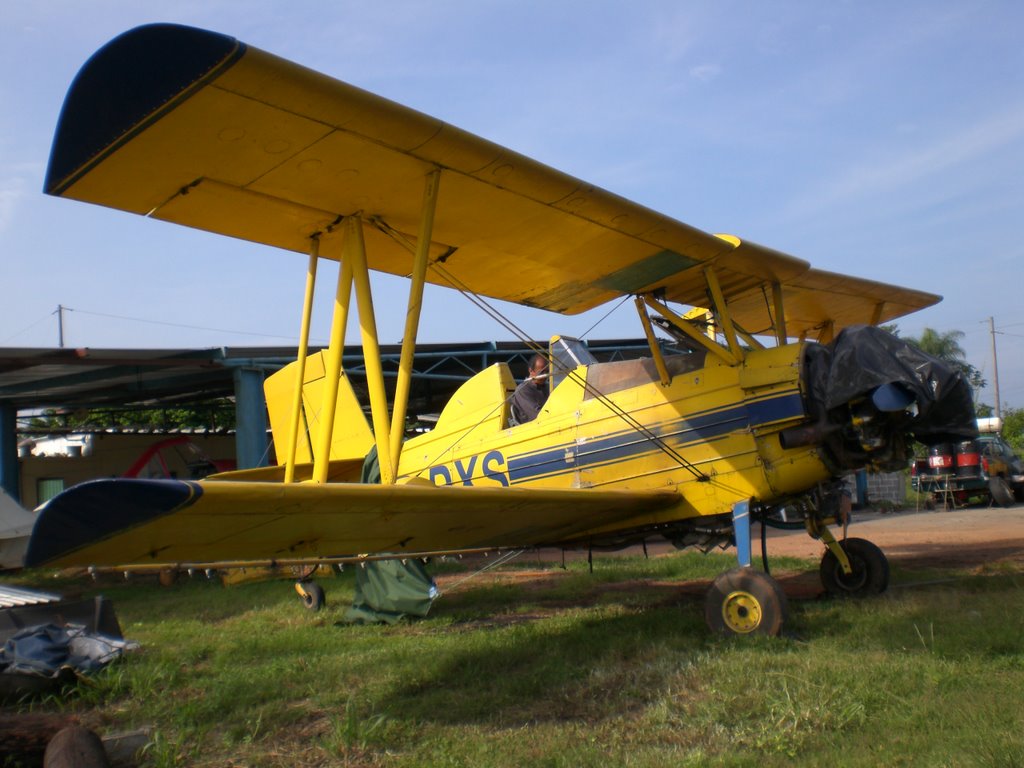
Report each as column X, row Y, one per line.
column 568, row 668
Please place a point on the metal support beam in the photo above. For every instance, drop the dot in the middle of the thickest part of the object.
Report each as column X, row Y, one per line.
column 251, row 418
column 300, row 372
column 412, row 317
column 10, row 478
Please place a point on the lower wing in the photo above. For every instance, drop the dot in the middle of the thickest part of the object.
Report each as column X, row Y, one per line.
column 123, row 523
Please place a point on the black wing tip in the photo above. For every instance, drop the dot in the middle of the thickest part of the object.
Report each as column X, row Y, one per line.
column 92, row 511
column 123, row 84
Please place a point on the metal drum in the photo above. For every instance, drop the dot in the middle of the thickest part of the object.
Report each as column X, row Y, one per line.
column 968, row 459
column 941, row 459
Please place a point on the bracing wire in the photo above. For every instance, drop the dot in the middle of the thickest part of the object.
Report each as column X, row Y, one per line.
column 587, row 387
column 604, row 317
column 505, row 557
column 175, row 325
column 505, row 322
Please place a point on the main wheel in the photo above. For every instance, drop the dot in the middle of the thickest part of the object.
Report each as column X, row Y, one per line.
column 312, row 594
column 870, row 574
column 744, row 602
column 1000, row 490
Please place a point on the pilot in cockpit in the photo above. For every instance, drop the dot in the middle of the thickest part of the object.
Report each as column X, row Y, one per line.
column 532, row 393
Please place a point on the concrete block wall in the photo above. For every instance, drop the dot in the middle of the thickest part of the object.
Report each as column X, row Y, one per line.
column 887, row 487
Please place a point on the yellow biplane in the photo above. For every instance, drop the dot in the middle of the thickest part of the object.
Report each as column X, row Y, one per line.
column 767, row 380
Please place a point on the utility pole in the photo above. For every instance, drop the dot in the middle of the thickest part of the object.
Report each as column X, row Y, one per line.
column 60, row 325
column 995, row 364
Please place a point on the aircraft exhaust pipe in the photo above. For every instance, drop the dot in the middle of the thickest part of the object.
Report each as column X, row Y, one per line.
column 808, row 434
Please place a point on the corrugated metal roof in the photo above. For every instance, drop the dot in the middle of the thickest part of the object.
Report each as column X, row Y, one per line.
column 94, row 378
column 13, row 597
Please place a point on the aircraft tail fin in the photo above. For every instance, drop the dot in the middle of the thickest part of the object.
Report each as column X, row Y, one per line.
column 352, row 437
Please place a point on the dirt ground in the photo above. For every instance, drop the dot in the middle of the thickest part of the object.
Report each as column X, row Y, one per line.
column 961, row 538
column 972, row 535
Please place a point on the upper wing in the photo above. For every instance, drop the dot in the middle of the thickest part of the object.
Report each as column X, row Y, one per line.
column 146, row 522
column 200, row 129
column 814, row 298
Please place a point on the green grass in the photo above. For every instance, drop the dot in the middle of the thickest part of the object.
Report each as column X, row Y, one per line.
column 610, row 668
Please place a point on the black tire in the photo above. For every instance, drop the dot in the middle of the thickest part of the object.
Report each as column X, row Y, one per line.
column 745, row 602
column 312, row 595
column 870, row 570
column 1000, row 490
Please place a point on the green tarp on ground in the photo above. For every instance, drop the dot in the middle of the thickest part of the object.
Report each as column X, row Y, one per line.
column 389, row 590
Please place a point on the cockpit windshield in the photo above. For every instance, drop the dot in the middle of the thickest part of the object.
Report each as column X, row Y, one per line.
column 566, row 353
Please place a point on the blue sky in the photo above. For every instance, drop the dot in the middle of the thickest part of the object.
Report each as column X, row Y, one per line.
column 880, row 139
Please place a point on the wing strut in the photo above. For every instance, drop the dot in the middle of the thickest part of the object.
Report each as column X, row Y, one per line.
column 652, row 343
column 678, row 322
column 355, row 255
column 332, row 372
column 781, row 337
column 300, row 372
column 412, row 315
column 722, row 312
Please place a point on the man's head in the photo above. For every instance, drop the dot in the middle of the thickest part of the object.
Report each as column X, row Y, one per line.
column 539, row 370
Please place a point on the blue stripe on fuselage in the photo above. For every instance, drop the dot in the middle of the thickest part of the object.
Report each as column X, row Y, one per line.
column 703, row 427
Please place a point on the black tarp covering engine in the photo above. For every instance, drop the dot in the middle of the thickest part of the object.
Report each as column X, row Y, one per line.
column 869, row 390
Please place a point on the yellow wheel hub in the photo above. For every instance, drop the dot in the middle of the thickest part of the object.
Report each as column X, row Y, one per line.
column 741, row 612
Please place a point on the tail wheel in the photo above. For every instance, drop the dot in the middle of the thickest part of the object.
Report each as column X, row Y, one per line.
column 312, row 594
column 870, row 570
column 745, row 602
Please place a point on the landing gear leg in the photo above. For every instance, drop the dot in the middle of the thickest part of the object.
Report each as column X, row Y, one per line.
column 741, row 529
column 868, row 569
column 312, row 594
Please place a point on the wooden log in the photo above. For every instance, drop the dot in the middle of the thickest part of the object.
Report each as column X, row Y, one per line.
column 75, row 747
column 23, row 737
column 123, row 749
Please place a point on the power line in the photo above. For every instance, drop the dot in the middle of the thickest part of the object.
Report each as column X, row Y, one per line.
column 179, row 325
column 27, row 328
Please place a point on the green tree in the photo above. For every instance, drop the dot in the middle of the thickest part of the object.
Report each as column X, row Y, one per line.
column 1013, row 428
column 216, row 415
column 946, row 346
